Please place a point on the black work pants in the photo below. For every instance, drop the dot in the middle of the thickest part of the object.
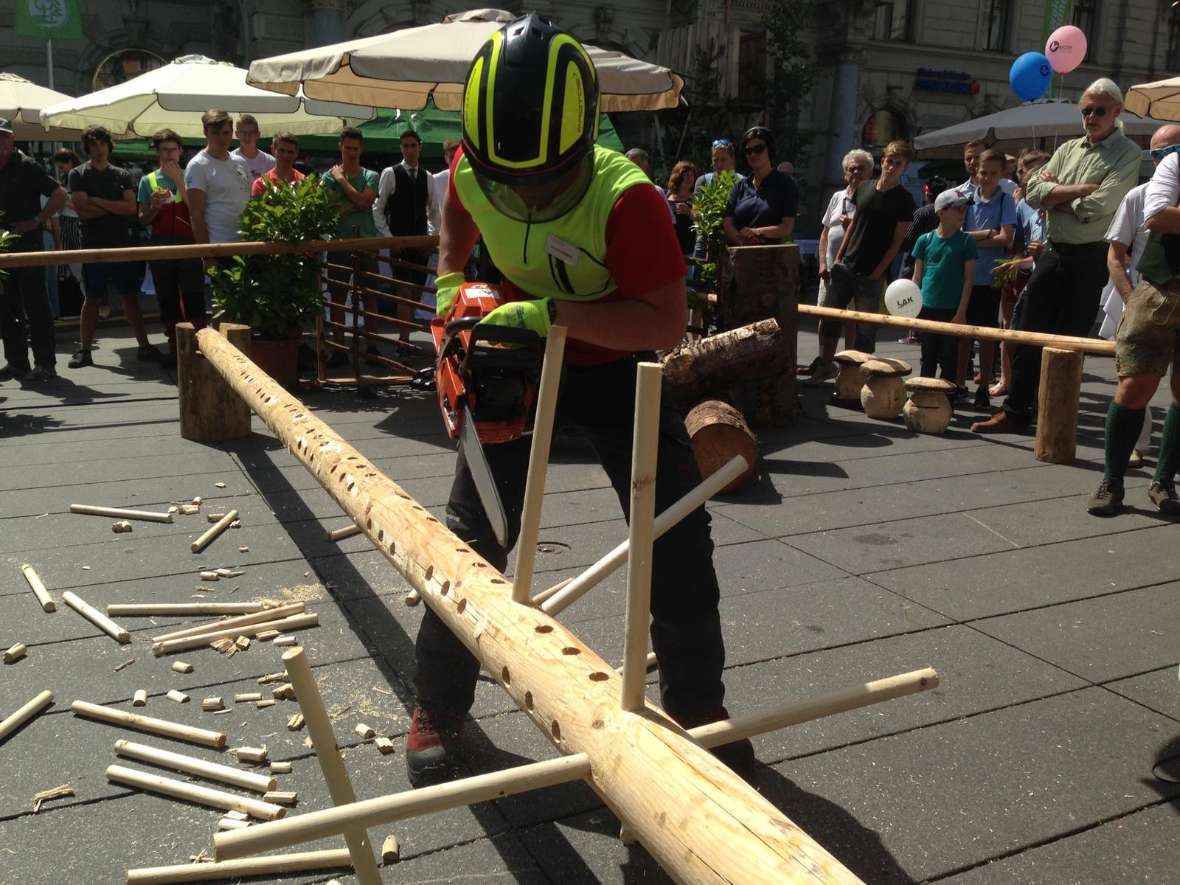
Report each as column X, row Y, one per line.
column 25, row 315
column 686, row 627
column 177, row 282
column 1061, row 298
column 939, row 351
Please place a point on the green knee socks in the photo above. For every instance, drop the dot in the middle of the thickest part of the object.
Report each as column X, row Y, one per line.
column 1169, row 460
column 1122, row 432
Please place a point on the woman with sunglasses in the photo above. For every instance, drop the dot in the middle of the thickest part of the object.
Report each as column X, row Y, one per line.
column 761, row 209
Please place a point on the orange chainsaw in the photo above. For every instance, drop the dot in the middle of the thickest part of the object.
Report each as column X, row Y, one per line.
column 487, row 378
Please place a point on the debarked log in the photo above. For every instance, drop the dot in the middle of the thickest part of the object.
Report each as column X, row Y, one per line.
column 697, row 818
column 713, row 364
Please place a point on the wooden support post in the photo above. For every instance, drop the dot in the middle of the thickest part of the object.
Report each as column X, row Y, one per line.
column 1057, row 405
column 166, row 786
column 27, row 711
column 323, row 738
column 399, row 806
column 641, row 765
column 534, row 488
column 209, row 410
column 150, row 724
column 226, row 774
column 645, row 447
column 232, row 870
column 565, row 594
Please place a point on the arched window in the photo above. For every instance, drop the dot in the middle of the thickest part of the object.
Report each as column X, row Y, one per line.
column 883, row 126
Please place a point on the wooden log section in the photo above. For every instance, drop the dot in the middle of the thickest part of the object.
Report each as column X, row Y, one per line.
column 494, row 785
column 209, row 411
column 718, row 432
column 697, row 818
column 1037, row 339
column 712, row 364
column 1057, row 405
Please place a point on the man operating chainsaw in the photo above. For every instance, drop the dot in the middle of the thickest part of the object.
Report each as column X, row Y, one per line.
column 583, row 240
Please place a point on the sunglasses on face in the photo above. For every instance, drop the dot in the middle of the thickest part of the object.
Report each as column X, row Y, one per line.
column 755, row 149
column 1158, row 154
column 1094, row 110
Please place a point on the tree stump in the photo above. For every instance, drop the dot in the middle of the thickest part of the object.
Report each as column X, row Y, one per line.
column 883, row 393
column 714, row 364
column 929, row 407
column 209, row 409
column 1057, row 405
column 718, row 432
column 757, row 283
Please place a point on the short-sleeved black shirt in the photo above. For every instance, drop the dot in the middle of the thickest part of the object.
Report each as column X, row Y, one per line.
column 765, row 204
column 878, row 213
column 22, row 185
column 108, row 231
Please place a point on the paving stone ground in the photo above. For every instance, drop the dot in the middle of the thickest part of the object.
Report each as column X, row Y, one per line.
column 1050, row 753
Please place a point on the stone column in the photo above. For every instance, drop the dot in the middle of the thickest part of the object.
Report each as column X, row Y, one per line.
column 845, row 86
column 326, row 21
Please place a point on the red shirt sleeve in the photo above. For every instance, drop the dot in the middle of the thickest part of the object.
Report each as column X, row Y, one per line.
column 642, row 251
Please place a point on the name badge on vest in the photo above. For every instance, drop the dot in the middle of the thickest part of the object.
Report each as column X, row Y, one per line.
column 562, row 250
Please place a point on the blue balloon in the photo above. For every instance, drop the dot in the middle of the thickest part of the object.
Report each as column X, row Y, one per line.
column 1030, row 75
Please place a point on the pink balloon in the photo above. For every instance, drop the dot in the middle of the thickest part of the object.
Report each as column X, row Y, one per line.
column 1066, row 48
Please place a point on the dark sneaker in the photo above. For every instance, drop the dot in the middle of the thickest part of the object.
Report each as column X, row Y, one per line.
column 80, row 359
column 983, row 402
column 1106, row 500
column 432, row 746
column 1163, row 496
column 11, row 372
column 149, row 353
column 41, row 374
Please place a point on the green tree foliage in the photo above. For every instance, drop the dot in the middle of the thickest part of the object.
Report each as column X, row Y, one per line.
column 708, row 211
column 788, row 23
column 276, row 294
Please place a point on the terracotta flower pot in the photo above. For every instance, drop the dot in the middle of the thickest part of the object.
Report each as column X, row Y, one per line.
column 279, row 357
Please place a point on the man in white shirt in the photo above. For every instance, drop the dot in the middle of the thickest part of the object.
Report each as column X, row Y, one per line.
column 403, row 209
column 217, row 184
column 258, row 162
column 440, row 183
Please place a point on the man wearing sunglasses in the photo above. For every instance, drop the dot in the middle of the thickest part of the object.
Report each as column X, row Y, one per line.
column 1079, row 188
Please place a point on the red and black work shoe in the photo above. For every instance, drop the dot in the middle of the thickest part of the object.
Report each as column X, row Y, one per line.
column 432, row 746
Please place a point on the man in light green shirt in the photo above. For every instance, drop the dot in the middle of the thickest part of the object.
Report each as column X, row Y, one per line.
column 1080, row 189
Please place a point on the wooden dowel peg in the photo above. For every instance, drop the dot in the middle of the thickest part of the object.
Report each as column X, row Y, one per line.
column 232, row 823
column 246, row 697
column 651, row 661
column 232, row 870
column 295, row 622
column 1057, row 405
column 97, row 618
column 390, row 850
column 121, row 513
column 641, row 533
column 346, row 532
column 562, row 596
column 215, row 771
column 182, row 667
column 184, row 609
column 27, row 711
column 213, row 532
column 139, row 699
column 15, row 652
column 323, row 739
column 368, row 813
column 269, row 614
column 254, row 755
column 179, row 696
column 35, row 584
column 149, row 724
column 534, row 489
column 212, row 704
column 281, row 797
column 166, row 786
column 280, row 767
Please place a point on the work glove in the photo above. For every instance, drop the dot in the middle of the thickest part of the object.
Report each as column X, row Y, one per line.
column 536, row 315
column 447, row 287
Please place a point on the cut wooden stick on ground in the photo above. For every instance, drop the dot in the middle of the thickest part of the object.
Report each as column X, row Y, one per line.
column 97, row 618
column 166, row 786
column 120, row 513
column 26, row 712
column 35, row 584
column 183, row 609
column 15, row 652
column 270, row 614
column 226, row 774
column 231, row 871
column 295, row 622
column 213, row 532
column 60, row 792
column 150, row 724
column 345, row 532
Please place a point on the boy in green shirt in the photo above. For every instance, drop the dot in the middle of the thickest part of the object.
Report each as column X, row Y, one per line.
column 943, row 268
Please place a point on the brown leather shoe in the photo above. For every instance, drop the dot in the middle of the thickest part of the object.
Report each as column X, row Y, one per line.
column 1001, row 422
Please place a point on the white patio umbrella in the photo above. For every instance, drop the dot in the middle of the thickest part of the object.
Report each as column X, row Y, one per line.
column 402, row 69
column 1036, row 123
column 175, row 96
column 21, row 102
column 1160, row 99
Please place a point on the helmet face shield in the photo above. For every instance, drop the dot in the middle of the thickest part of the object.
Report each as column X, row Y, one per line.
column 537, row 199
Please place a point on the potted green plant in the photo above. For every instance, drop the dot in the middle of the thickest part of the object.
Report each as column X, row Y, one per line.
column 708, row 211
column 276, row 295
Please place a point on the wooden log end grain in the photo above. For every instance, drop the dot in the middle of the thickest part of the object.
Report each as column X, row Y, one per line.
column 717, row 432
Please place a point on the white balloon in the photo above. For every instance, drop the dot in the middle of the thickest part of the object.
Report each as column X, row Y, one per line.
column 903, row 298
